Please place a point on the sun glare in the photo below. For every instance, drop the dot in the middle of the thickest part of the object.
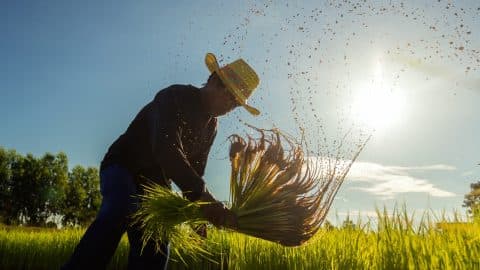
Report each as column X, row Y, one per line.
column 377, row 105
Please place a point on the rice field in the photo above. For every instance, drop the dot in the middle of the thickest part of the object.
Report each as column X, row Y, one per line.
column 392, row 243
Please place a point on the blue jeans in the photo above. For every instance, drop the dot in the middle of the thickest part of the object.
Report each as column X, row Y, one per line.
column 101, row 239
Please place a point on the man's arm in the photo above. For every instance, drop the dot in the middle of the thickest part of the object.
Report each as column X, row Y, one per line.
column 202, row 158
column 165, row 135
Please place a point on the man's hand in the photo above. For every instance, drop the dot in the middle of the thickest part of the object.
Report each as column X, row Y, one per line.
column 216, row 213
column 231, row 220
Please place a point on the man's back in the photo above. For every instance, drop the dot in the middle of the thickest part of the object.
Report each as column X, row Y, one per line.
column 172, row 121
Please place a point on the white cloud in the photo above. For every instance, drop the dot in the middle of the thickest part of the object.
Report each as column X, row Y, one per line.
column 387, row 181
column 471, row 173
column 341, row 198
column 435, row 167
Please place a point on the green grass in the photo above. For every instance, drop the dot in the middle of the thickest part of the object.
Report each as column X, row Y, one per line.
column 394, row 244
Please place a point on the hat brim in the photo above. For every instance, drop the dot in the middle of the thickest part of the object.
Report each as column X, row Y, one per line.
column 212, row 65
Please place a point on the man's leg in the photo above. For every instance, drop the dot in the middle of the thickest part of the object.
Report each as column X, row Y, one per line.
column 149, row 257
column 101, row 239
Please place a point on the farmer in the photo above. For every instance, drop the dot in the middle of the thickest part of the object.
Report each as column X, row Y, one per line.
column 169, row 140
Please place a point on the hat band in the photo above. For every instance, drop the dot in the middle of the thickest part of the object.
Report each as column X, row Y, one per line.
column 235, row 79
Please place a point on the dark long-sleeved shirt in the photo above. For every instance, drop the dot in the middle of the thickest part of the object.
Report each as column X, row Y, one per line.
column 169, row 139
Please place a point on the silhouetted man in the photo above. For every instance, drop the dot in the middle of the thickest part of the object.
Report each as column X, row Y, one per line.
column 169, row 140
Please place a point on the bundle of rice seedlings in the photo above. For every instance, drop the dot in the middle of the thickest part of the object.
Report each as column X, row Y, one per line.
column 272, row 190
column 165, row 216
column 278, row 194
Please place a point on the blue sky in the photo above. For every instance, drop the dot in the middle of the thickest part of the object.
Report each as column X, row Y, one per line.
column 73, row 74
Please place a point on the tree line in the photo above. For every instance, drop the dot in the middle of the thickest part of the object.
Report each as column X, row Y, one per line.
column 41, row 191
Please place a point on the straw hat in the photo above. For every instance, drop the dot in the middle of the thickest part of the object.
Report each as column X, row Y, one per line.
column 239, row 78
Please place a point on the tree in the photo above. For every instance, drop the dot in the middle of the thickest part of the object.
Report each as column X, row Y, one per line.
column 83, row 196
column 55, row 180
column 94, row 198
column 38, row 188
column 20, row 190
column 40, row 191
column 472, row 201
column 7, row 158
column 75, row 196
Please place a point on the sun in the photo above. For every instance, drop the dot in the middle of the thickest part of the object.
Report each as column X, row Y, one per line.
column 377, row 104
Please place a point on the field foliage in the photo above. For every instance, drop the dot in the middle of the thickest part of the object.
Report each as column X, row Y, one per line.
column 393, row 241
